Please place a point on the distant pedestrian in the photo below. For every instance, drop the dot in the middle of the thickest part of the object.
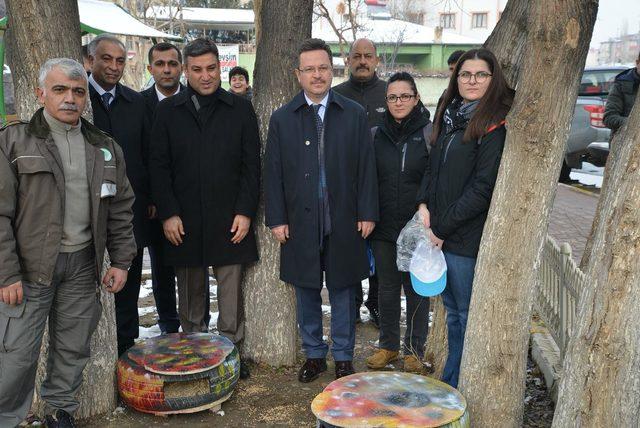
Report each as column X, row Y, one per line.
column 621, row 98
column 239, row 82
column 402, row 155
column 453, row 60
column 467, row 141
column 451, row 64
column 321, row 202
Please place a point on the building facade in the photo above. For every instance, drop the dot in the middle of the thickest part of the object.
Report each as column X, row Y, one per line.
column 470, row 18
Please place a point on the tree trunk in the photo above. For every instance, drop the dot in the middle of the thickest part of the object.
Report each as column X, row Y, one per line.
column 508, row 38
column 33, row 38
column 436, row 350
column 270, row 304
column 615, row 161
column 30, row 42
column 600, row 383
column 493, row 366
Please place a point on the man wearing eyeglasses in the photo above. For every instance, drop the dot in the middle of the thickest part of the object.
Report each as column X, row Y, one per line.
column 321, row 202
column 365, row 88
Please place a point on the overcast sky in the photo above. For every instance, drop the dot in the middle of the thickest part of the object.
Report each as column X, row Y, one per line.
column 612, row 15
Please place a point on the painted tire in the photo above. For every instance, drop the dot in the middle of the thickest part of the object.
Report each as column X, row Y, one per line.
column 389, row 399
column 150, row 392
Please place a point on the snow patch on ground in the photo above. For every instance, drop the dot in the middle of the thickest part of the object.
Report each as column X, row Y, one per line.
column 589, row 175
column 146, row 289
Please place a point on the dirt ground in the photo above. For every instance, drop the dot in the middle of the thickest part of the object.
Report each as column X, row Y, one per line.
column 275, row 398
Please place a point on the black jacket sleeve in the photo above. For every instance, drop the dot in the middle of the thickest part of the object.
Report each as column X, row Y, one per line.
column 614, row 108
column 476, row 198
column 367, row 174
column 247, row 201
column 160, row 167
column 275, row 206
column 146, row 143
column 423, row 191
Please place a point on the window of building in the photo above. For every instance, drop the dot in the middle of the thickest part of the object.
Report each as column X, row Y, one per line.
column 479, row 20
column 448, row 20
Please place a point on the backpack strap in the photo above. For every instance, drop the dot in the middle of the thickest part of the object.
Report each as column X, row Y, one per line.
column 494, row 127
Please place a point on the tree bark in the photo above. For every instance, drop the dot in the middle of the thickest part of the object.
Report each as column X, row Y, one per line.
column 508, row 38
column 270, row 304
column 436, row 349
column 600, row 383
column 615, row 161
column 493, row 366
column 31, row 42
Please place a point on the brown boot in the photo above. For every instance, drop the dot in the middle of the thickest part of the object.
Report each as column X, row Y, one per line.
column 381, row 358
column 412, row 364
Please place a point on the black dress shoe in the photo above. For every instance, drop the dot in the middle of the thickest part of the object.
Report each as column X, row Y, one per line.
column 244, row 370
column 344, row 368
column 62, row 420
column 311, row 369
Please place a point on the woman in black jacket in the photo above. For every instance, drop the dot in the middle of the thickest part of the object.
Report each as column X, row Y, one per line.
column 401, row 157
column 468, row 138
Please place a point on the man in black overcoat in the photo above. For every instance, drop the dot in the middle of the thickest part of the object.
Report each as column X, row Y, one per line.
column 321, row 202
column 205, row 174
column 121, row 112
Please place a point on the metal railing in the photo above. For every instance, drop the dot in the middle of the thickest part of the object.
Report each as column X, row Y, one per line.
column 560, row 284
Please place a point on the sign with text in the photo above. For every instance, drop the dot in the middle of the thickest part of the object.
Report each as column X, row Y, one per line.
column 229, row 56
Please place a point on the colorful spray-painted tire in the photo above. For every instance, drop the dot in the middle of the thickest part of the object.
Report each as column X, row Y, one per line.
column 389, row 399
column 185, row 383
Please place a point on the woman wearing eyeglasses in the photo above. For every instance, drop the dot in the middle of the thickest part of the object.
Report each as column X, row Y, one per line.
column 401, row 157
column 468, row 138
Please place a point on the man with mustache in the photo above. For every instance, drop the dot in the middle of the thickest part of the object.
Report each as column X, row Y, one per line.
column 365, row 88
column 205, row 175
column 321, row 202
column 64, row 199
column 122, row 113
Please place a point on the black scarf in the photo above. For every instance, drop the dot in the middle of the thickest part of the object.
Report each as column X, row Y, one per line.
column 457, row 115
column 399, row 130
column 204, row 103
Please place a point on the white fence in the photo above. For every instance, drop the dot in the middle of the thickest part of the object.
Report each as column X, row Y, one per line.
column 560, row 286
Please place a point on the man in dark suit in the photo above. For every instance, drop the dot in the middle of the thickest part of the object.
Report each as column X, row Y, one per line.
column 321, row 202
column 165, row 65
column 122, row 113
column 205, row 176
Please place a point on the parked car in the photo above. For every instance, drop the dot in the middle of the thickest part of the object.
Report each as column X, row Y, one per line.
column 587, row 126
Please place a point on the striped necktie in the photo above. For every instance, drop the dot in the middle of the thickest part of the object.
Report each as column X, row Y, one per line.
column 323, row 190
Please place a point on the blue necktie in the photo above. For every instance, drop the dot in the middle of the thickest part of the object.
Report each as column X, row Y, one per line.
column 106, row 99
column 323, row 190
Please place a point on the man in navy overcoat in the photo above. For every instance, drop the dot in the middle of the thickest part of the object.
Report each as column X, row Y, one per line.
column 321, row 199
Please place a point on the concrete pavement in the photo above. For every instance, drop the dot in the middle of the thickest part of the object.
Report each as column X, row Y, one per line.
column 571, row 217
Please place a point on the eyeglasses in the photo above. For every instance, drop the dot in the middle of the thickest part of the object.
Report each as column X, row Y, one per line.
column 480, row 76
column 323, row 69
column 394, row 98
